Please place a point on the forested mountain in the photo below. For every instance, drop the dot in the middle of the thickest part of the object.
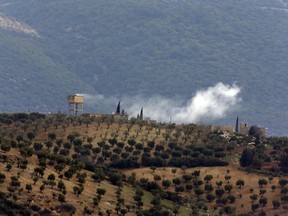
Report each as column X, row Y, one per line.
column 118, row 49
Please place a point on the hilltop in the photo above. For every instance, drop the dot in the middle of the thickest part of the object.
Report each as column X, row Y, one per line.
column 57, row 164
column 119, row 49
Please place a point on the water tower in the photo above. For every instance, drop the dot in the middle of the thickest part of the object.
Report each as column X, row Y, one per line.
column 75, row 103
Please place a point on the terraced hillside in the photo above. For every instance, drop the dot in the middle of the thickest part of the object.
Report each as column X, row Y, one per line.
column 57, row 165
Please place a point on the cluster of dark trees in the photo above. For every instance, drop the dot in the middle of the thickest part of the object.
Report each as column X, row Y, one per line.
column 267, row 150
column 136, row 154
column 7, row 118
column 8, row 207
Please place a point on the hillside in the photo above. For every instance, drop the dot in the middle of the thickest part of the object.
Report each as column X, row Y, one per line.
column 119, row 49
column 58, row 165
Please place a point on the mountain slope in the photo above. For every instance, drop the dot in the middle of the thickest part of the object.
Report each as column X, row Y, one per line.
column 168, row 48
column 30, row 79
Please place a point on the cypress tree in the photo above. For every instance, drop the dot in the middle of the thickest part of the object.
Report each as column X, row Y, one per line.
column 237, row 125
column 141, row 114
column 118, row 108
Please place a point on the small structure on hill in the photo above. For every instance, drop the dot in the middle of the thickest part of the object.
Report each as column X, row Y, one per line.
column 75, row 104
column 242, row 128
column 245, row 129
column 118, row 116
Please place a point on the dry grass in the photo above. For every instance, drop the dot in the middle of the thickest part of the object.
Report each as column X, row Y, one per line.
column 46, row 200
column 105, row 131
column 251, row 182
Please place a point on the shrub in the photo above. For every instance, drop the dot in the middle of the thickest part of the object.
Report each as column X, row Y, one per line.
column 66, row 208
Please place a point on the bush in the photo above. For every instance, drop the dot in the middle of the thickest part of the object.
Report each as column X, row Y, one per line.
column 65, row 208
column 124, row 164
column 35, row 208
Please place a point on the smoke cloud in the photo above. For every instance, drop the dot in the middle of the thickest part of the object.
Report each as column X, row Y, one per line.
column 206, row 105
column 212, row 103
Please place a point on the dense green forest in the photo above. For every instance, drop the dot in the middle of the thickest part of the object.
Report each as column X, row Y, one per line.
column 127, row 48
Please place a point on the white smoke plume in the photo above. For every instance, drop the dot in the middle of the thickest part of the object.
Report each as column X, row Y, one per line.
column 98, row 103
column 212, row 103
column 206, row 105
